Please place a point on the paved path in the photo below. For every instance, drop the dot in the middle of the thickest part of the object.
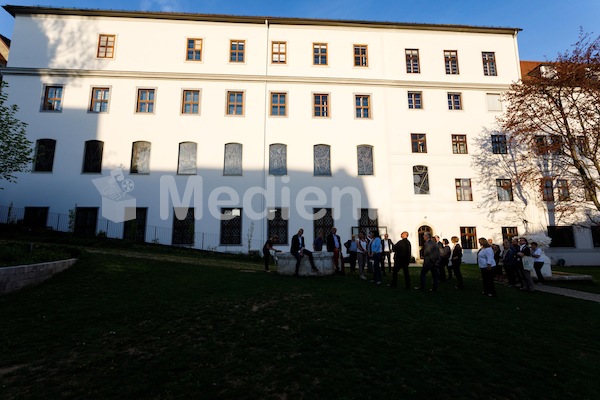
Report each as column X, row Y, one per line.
column 569, row 292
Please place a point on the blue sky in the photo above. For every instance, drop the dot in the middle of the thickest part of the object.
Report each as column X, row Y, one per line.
column 549, row 26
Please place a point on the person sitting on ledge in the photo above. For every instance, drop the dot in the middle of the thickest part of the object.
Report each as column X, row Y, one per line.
column 298, row 251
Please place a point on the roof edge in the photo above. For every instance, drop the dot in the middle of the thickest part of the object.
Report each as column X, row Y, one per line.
column 30, row 10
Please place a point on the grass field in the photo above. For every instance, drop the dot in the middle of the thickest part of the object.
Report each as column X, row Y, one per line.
column 146, row 325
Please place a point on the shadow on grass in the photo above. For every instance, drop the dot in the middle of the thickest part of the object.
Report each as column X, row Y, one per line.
column 116, row 326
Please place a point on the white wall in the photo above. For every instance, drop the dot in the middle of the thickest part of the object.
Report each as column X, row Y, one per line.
column 151, row 54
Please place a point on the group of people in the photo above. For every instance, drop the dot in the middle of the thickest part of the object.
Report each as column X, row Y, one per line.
column 516, row 259
column 441, row 258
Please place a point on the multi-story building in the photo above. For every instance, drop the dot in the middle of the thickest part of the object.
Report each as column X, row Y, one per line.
column 257, row 124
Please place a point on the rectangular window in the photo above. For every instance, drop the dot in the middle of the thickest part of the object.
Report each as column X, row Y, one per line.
column 362, row 106
column 237, row 49
column 412, row 61
column 415, row 100
column 145, row 101
column 509, row 232
column 493, row 102
column 321, row 105
column 322, row 221
column 140, row 158
column 231, row 226
column 562, row 187
column 360, row 55
column 53, row 97
column 562, row 236
column 504, row 189
column 184, row 226
column 278, row 159
column 589, row 194
column 418, row 142
column 194, row 50
column 100, row 97
column 235, row 103
column 322, row 160
column 190, row 102
column 489, row 63
column 369, row 220
column 232, row 165
column 463, row 190
column 278, row 104
column 454, row 101
column 279, row 52
column 92, row 157
column 421, row 179
column 540, row 145
column 106, row 46
column 468, row 237
column 365, row 159
column 582, row 144
column 555, row 144
column 44, row 155
column 319, row 53
column 186, row 164
column 459, row 144
column 595, row 235
column 499, row 145
column 35, row 217
column 547, row 189
column 86, row 221
column 277, row 224
column 451, row 62
column 134, row 230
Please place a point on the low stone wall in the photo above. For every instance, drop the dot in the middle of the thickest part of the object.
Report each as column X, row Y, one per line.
column 15, row 278
column 286, row 264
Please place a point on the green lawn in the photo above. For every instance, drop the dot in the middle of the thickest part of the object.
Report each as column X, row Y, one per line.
column 145, row 325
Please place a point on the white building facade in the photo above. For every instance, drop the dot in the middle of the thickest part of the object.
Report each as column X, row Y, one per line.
column 250, row 125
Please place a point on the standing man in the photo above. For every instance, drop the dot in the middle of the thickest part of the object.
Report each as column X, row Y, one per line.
column 352, row 248
column 298, row 251
column 334, row 245
column 431, row 257
column 375, row 254
column 388, row 247
column 441, row 271
column 362, row 253
column 402, row 254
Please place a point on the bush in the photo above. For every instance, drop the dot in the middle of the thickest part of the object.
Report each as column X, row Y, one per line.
column 13, row 253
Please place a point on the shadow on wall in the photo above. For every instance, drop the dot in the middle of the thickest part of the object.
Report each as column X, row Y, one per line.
column 207, row 210
column 77, row 146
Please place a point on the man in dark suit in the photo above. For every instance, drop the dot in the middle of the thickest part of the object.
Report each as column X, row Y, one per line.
column 402, row 254
column 298, row 251
column 431, row 258
column 334, row 244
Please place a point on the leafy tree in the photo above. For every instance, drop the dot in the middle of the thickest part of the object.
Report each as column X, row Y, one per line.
column 15, row 149
column 553, row 124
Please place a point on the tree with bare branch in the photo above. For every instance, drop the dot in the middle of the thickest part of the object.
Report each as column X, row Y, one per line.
column 552, row 121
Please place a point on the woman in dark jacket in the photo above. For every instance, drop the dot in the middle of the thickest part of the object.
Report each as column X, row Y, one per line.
column 455, row 261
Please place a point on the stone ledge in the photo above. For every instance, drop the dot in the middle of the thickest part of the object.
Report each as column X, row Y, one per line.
column 566, row 276
column 286, row 264
column 20, row 276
